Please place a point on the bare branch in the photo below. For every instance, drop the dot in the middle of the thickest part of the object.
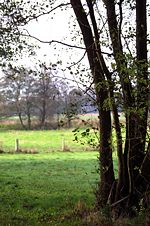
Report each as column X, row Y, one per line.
column 127, row 45
column 35, row 17
column 121, row 17
column 52, row 41
column 58, row 42
column 75, row 63
column 119, row 201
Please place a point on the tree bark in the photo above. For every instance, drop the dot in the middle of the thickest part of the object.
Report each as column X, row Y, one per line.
column 102, row 94
column 142, row 80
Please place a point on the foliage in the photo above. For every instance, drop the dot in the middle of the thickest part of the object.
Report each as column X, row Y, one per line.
column 88, row 136
column 12, row 17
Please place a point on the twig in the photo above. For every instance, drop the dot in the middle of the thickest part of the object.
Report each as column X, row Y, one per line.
column 119, row 201
column 27, row 19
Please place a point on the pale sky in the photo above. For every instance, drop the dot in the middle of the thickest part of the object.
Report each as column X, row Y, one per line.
column 48, row 29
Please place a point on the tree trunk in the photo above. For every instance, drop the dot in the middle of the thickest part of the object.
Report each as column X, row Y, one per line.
column 20, row 114
column 21, row 121
column 142, row 81
column 28, row 115
column 29, row 120
column 123, row 193
column 43, row 113
column 136, row 125
column 102, row 94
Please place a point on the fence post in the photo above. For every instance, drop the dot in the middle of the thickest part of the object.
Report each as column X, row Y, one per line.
column 17, row 145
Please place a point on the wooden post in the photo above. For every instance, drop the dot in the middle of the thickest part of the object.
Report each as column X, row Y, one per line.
column 63, row 143
column 64, row 146
column 17, row 145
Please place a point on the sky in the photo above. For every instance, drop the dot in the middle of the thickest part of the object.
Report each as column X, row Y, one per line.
column 47, row 29
column 60, row 27
column 57, row 28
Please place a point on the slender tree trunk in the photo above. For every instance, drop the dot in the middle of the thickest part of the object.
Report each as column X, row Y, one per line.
column 124, row 166
column 121, row 170
column 28, row 115
column 43, row 114
column 20, row 116
column 29, row 120
column 21, row 121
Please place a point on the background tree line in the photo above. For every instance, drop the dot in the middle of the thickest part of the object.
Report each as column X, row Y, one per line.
column 39, row 96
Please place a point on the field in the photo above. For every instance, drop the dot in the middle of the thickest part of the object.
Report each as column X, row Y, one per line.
column 46, row 189
column 50, row 181
column 55, row 189
column 49, row 186
column 41, row 140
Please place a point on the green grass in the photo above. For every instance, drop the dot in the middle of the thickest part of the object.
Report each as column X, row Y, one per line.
column 48, row 140
column 44, row 189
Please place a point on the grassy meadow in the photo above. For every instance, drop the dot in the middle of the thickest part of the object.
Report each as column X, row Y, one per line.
column 46, row 189
column 39, row 140
column 51, row 181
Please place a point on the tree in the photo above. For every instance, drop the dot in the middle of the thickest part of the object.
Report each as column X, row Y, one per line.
column 73, row 104
column 125, row 193
column 13, row 14
column 45, row 93
column 29, row 93
column 17, row 86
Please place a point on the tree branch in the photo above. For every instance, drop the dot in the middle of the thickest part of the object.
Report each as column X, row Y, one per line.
column 75, row 63
column 52, row 41
column 34, row 17
column 121, row 18
column 58, row 42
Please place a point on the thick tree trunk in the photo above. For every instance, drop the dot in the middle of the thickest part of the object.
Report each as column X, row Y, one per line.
column 102, row 93
column 142, row 81
column 106, row 163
